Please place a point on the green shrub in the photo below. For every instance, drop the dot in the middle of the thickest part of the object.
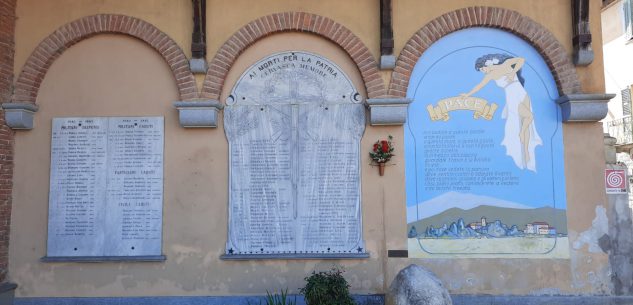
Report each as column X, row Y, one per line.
column 327, row 288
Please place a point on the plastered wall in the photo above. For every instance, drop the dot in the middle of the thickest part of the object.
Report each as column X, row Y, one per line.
column 38, row 19
column 195, row 191
column 360, row 16
column 555, row 15
column 115, row 75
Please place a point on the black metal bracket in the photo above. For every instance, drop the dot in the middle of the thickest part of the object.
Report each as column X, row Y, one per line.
column 583, row 53
column 387, row 60
column 199, row 36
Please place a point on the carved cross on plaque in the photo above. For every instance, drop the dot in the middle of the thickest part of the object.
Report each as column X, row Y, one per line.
column 294, row 123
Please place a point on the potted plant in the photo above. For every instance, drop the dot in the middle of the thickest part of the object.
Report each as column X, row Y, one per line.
column 381, row 153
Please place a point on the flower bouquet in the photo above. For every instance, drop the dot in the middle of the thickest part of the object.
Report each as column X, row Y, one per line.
column 381, row 153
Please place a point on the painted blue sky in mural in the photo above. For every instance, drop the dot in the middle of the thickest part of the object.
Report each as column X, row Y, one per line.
column 454, row 157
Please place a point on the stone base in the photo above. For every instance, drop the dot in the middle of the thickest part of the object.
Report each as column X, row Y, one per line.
column 583, row 57
column 541, row 300
column 99, row 259
column 6, row 293
column 360, row 299
column 198, row 113
column 238, row 300
column 388, row 111
column 198, row 65
column 387, row 62
column 19, row 115
column 320, row 256
column 584, row 107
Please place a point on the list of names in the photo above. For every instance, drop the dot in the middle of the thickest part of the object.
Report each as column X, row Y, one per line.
column 106, row 186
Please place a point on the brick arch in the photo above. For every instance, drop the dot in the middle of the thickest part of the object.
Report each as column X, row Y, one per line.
column 292, row 22
column 38, row 63
column 535, row 34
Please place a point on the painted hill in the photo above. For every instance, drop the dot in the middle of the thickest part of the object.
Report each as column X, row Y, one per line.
column 451, row 200
column 508, row 216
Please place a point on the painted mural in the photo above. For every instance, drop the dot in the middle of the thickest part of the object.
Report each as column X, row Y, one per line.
column 484, row 153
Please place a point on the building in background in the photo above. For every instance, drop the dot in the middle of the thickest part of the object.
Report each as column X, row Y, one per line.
column 617, row 31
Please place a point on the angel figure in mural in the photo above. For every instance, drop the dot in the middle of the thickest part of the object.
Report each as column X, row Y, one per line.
column 520, row 138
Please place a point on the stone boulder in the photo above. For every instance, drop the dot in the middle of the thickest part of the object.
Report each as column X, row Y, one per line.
column 415, row 285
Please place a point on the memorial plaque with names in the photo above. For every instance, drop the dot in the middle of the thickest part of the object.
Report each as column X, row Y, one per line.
column 294, row 123
column 106, row 187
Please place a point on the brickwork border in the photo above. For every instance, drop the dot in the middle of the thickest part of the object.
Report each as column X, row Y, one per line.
column 7, row 51
column 292, row 22
column 28, row 83
column 534, row 33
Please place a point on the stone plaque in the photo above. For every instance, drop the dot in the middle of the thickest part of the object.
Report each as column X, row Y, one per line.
column 106, row 187
column 294, row 123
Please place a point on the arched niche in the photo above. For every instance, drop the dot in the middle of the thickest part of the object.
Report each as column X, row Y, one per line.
column 128, row 79
column 484, row 151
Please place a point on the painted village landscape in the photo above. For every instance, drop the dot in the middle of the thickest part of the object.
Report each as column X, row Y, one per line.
column 461, row 225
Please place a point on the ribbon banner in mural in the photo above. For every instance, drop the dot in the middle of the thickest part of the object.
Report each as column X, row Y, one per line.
column 484, row 157
column 479, row 106
column 294, row 123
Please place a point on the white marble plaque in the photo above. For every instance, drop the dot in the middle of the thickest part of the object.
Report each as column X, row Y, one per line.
column 106, row 187
column 294, row 123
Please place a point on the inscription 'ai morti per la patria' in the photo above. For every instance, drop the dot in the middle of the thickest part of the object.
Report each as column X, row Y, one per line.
column 106, row 187
column 294, row 123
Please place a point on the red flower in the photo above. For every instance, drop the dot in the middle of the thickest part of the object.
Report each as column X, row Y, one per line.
column 385, row 146
column 376, row 147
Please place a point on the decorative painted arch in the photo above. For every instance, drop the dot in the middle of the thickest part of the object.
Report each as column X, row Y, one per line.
column 292, row 22
column 38, row 63
column 538, row 36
